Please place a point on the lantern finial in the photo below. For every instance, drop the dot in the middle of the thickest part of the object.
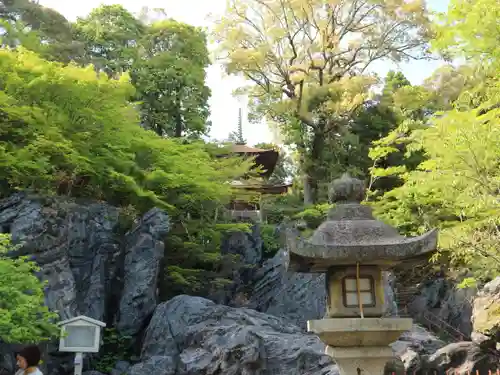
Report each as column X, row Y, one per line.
column 347, row 189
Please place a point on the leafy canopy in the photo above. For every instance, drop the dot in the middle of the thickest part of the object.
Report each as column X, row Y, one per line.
column 307, row 60
column 456, row 188
column 470, row 30
column 169, row 77
column 64, row 130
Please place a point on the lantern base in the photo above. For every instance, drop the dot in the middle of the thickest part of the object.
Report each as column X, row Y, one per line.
column 361, row 360
column 357, row 332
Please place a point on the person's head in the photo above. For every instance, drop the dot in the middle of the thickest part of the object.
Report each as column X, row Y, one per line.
column 28, row 357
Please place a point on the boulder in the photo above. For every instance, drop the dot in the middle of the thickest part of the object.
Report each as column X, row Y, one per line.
column 193, row 335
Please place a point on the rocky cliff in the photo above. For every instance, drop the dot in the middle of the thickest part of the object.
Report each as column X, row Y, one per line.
column 97, row 267
column 91, row 266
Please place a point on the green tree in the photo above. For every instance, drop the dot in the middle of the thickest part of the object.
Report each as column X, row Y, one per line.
column 392, row 83
column 306, row 60
column 469, row 29
column 23, row 316
column 65, row 130
column 412, row 108
column 39, row 29
column 457, row 187
column 170, row 80
column 111, row 35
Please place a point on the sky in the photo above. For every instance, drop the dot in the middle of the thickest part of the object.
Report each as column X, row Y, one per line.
column 224, row 107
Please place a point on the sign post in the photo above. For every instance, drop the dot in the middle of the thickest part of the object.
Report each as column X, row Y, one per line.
column 80, row 335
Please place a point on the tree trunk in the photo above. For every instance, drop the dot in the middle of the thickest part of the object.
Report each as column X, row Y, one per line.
column 178, row 119
column 306, row 181
column 313, row 169
column 308, row 193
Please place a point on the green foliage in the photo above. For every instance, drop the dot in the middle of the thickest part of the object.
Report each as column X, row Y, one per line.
column 166, row 59
column 456, row 185
column 456, row 188
column 170, row 79
column 271, row 243
column 23, row 316
column 39, row 29
column 63, row 130
column 66, row 131
column 115, row 347
column 470, row 29
column 313, row 216
column 393, row 82
column 194, row 261
column 277, row 208
column 110, row 35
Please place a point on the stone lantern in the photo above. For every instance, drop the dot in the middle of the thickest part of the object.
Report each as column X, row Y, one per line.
column 353, row 250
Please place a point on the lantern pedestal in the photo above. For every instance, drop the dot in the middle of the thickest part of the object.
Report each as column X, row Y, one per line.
column 361, row 360
column 360, row 346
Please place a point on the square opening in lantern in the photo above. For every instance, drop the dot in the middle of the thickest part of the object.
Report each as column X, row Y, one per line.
column 366, row 291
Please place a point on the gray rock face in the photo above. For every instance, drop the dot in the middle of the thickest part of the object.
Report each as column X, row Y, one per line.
column 144, row 251
column 417, row 341
column 460, row 357
column 296, row 297
column 7, row 361
column 449, row 303
column 247, row 248
column 89, row 268
column 247, row 245
column 192, row 335
column 121, row 367
column 74, row 244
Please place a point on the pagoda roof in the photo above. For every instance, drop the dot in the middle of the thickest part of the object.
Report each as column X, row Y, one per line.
column 351, row 235
column 239, row 148
column 263, row 188
column 267, row 159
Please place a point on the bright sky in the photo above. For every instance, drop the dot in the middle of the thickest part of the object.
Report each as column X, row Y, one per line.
column 224, row 107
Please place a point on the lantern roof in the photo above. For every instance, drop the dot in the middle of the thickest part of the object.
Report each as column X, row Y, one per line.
column 351, row 235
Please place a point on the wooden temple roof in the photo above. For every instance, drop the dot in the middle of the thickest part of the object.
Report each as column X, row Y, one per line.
column 266, row 159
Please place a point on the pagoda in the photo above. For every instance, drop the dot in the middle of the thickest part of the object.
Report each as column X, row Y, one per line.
column 241, row 205
column 353, row 249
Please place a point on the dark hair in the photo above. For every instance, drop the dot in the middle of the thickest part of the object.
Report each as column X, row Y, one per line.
column 31, row 354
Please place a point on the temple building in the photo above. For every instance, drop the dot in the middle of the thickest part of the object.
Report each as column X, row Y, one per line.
column 246, row 202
